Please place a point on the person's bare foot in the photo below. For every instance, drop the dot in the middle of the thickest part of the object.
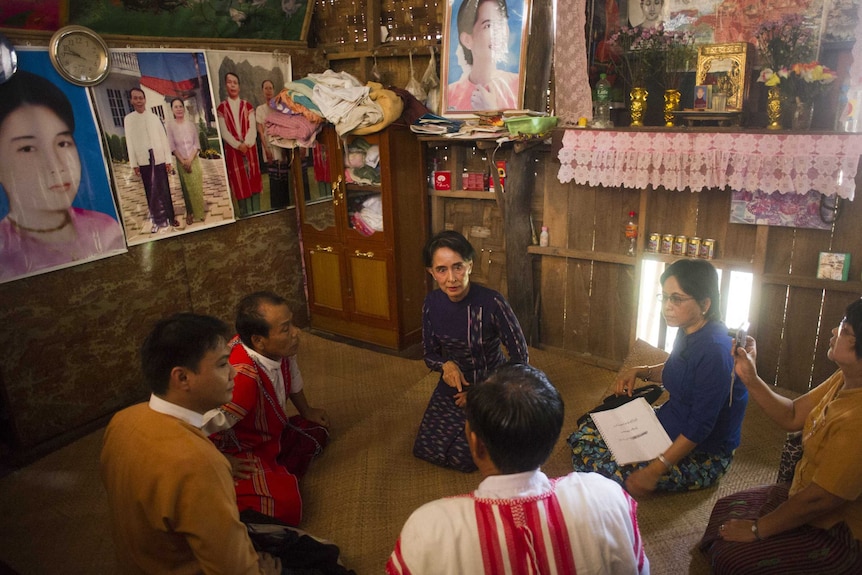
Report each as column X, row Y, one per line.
column 190, row 219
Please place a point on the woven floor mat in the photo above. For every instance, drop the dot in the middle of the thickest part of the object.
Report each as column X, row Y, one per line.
column 361, row 490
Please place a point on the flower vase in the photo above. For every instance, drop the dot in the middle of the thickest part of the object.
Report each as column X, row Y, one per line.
column 638, row 97
column 671, row 105
column 802, row 112
column 773, row 108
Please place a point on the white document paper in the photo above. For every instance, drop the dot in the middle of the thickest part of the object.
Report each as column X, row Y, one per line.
column 632, row 432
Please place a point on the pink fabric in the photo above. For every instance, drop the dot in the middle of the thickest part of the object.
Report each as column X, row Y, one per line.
column 702, row 160
column 572, row 84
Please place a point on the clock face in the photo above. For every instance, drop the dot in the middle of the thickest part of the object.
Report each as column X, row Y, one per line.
column 80, row 55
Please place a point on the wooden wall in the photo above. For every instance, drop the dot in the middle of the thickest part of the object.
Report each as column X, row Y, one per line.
column 70, row 337
column 589, row 287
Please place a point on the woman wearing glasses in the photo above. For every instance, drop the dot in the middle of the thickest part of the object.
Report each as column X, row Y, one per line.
column 701, row 418
column 463, row 327
column 814, row 524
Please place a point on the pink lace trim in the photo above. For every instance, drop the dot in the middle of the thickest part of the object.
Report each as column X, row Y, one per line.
column 697, row 161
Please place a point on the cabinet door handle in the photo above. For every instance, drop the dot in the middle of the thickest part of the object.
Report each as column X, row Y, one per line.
column 320, row 248
column 359, row 254
column 338, row 194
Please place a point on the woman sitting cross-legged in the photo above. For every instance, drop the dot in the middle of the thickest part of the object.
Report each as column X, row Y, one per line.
column 703, row 416
column 814, row 524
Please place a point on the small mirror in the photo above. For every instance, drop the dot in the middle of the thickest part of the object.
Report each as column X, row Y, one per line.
column 8, row 59
column 724, row 67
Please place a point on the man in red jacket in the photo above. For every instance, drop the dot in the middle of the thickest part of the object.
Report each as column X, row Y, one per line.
column 269, row 451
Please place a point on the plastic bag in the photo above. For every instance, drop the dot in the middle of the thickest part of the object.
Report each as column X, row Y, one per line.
column 429, row 78
column 375, row 72
column 413, row 86
column 431, row 83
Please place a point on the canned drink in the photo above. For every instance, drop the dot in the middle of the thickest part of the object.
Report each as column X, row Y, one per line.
column 679, row 245
column 653, row 243
column 707, row 249
column 693, row 249
column 667, row 243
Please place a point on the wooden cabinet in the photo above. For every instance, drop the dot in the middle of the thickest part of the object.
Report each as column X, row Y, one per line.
column 363, row 225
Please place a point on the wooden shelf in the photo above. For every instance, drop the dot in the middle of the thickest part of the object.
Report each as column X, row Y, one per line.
column 606, row 257
column 717, row 262
column 463, row 194
column 611, row 257
column 813, row 283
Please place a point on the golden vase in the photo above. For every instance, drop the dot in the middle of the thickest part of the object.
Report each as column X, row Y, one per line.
column 671, row 105
column 638, row 105
column 773, row 108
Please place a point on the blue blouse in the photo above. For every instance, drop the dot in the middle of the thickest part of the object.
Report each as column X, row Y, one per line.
column 698, row 377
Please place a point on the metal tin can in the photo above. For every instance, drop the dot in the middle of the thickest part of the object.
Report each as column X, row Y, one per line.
column 653, row 243
column 666, row 243
column 679, row 245
column 693, row 249
column 707, row 249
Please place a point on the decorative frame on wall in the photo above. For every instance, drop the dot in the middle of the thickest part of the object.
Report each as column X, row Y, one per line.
column 725, row 68
column 500, row 84
column 284, row 20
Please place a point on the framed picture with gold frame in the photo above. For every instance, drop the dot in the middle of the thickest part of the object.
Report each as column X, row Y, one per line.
column 725, row 68
column 484, row 55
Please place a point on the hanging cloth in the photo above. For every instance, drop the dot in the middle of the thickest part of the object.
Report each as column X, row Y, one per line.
column 431, row 83
column 413, row 86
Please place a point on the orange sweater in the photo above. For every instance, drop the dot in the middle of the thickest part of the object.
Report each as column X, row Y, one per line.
column 171, row 498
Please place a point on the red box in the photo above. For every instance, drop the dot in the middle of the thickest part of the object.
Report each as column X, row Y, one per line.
column 501, row 172
column 442, row 180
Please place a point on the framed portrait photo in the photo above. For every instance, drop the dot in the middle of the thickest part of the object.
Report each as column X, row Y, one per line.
column 484, row 55
column 702, row 97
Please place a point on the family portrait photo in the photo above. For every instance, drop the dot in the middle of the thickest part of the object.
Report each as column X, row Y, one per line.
column 158, row 118
column 244, row 85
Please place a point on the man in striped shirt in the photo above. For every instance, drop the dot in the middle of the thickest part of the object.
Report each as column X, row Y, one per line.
column 518, row 521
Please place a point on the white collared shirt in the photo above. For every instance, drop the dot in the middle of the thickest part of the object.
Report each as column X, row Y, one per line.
column 217, row 420
column 160, row 405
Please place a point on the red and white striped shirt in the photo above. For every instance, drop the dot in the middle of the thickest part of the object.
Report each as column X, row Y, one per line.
column 525, row 524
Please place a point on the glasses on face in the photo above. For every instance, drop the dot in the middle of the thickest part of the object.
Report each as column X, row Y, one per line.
column 674, row 299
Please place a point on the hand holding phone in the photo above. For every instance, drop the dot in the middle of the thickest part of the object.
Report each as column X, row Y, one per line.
column 742, row 334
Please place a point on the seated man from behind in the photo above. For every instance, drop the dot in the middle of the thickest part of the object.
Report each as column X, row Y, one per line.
column 269, row 451
column 518, row 520
column 170, row 491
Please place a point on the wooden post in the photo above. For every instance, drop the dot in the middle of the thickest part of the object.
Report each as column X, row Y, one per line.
column 521, row 175
column 520, row 180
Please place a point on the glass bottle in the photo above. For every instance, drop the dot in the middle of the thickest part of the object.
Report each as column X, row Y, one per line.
column 632, row 234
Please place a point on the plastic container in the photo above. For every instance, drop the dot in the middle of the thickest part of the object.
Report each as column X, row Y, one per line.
column 544, row 237
column 530, row 125
column 602, row 104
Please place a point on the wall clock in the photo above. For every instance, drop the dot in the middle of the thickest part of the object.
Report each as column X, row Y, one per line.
column 8, row 59
column 79, row 55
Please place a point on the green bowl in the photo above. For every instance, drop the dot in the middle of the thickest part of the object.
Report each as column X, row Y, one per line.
column 530, row 125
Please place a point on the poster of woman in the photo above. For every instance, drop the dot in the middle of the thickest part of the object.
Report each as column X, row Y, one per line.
column 484, row 50
column 56, row 206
